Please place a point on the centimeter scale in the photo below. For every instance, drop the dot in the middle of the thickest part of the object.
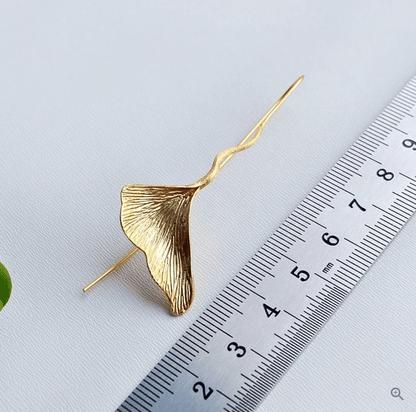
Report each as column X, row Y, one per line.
column 243, row 343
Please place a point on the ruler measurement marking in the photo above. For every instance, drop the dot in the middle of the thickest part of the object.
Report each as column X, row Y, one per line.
column 391, row 107
column 397, row 112
column 366, row 148
column 407, row 198
column 267, row 258
column 279, row 247
column 175, row 348
column 248, row 283
column 352, row 168
column 246, row 287
column 169, row 377
column 260, row 263
column 196, row 326
column 154, row 387
column 183, row 367
column 244, row 269
column 385, row 229
column 408, row 86
column 215, row 302
column 314, row 208
column 408, row 96
column 327, row 195
column 216, row 316
column 343, row 273
column 287, row 227
column 376, row 161
column 347, row 269
column 328, row 186
column 350, row 158
column 280, row 240
column 367, row 242
column 381, row 233
column 158, row 383
column 387, row 213
column 408, row 177
column 395, row 120
column 219, row 312
column 234, row 286
column 384, row 125
column 167, row 383
column 233, row 291
column 362, row 149
column 342, row 171
column 304, row 213
column 342, row 281
column 166, row 369
column 401, row 105
column 372, row 136
column 291, row 314
column 287, row 233
column 176, row 356
column 147, row 389
column 189, row 346
column 381, row 240
column 233, row 297
column 398, row 213
column 194, row 343
column 350, row 241
column 295, row 216
column 390, row 222
column 367, row 253
column 399, row 204
column 215, row 326
column 230, row 306
column 357, row 265
column 143, row 400
column 403, row 101
column 248, row 399
column 391, row 120
column 326, row 280
column 241, row 403
column 316, row 200
column 362, row 141
column 337, row 178
column 270, row 251
column 259, row 269
column 356, row 256
column 145, row 394
column 295, row 221
column 352, row 152
column 134, row 406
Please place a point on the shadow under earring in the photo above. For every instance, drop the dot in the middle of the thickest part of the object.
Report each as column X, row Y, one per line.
column 156, row 219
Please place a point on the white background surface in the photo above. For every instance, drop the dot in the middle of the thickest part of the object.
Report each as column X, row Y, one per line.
column 95, row 95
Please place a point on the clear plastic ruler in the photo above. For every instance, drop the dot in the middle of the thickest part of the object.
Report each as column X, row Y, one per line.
column 243, row 343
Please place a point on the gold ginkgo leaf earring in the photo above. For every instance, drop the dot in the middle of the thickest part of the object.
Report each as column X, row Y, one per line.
column 156, row 219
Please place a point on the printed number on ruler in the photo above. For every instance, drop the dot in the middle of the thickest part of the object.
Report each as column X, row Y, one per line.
column 243, row 343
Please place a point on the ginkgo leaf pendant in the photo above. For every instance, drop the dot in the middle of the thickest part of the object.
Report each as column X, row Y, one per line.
column 156, row 219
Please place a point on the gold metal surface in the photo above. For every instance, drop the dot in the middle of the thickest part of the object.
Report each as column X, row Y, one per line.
column 156, row 219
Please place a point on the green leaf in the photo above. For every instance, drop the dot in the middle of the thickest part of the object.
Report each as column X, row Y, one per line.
column 5, row 286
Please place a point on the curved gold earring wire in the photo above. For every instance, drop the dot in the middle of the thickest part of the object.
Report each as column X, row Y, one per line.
column 156, row 219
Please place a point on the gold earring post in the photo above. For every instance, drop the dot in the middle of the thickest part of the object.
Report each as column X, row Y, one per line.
column 113, row 268
column 219, row 162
